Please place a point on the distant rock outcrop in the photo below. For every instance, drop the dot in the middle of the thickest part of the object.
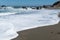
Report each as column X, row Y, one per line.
column 3, row 7
column 56, row 4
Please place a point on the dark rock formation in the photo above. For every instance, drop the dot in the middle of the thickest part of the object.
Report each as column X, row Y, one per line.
column 24, row 7
column 3, row 6
column 56, row 4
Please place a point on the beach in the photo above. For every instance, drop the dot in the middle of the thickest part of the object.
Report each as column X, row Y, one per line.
column 30, row 24
column 29, row 20
column 51, row 32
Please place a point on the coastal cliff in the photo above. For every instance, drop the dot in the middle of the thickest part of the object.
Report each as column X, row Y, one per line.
column 56, row 4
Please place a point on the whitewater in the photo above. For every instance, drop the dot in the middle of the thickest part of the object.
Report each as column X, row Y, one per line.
column 13, row 20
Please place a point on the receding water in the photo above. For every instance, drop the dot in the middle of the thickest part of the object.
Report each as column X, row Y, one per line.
column 14, row 20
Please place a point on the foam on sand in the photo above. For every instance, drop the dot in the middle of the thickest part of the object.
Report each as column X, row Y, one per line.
column 21, row 19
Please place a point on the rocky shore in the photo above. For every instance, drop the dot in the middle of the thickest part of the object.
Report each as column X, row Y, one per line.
column 53, row 6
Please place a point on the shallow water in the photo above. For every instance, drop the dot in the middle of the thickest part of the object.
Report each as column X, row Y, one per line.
column 20, row 19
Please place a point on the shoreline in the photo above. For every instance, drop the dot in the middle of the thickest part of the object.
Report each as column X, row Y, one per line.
column 41, row 33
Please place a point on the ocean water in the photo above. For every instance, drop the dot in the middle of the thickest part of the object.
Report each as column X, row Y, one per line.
column 14, row 20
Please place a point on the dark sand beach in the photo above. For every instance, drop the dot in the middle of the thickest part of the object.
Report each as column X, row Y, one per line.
column 41, row 33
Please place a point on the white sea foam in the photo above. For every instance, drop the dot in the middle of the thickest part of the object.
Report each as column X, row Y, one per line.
column 20, row 19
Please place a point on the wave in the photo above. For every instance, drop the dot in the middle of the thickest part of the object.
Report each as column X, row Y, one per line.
column 14, row 20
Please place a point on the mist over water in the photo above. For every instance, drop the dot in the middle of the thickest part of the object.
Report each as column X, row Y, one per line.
column 14, row 20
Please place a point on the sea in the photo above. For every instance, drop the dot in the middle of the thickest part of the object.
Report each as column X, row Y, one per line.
column 13, row 20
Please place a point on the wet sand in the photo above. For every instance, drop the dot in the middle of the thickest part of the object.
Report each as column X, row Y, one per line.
column 41, row 33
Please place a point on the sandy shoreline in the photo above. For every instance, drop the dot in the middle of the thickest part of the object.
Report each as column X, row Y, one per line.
column 41, row 33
